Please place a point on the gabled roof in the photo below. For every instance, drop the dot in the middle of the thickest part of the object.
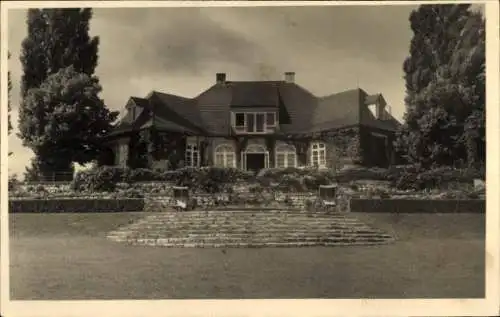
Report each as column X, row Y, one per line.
column 177, row 109
column 340, row 108
column 299, row 110
column 141, row 102
column 127, row 123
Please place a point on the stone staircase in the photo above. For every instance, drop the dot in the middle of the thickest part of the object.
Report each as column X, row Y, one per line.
column 262, row 228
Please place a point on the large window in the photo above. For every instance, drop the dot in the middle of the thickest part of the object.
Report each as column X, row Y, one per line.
column 318, row 154
column 254, row 122
column 192, row 158
column 225, row 156
column 286, row 156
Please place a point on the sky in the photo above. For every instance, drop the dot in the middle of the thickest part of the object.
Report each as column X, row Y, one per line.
column 179, row 51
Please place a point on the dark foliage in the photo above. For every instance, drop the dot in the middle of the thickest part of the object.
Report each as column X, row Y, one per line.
column 445, row 88
column 61, row 117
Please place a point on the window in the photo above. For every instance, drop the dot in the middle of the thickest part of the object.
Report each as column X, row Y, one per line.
column 192, row 158
column 318, row 154
column 254, row 122
column 270, row 119
column 239, row 120
column 286, row 156
column 250, row 122
column 224, row 156
column 259, row 122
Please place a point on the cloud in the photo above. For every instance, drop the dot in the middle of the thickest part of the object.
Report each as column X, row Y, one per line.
column 174, row 41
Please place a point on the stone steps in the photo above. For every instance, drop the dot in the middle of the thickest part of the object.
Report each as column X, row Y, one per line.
column 263, row 235
column 256, row 244
column 248, row 229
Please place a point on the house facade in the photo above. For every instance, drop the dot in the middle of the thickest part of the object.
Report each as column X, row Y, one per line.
column 254, row 125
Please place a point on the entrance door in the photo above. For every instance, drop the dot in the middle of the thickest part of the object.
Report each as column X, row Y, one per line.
column 379, row 155
column 255, row 161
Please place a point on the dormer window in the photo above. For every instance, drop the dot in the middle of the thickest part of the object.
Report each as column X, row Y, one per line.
column 254, row 122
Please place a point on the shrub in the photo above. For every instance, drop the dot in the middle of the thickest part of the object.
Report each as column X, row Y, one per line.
column 99, row 179
column 141, row 175
column 39, row 189
column 209, row 179
column 312, row 182
column 132, row 193
column 298, row 180
column 414, row 178
column 13, row 183
column 309, row 204
column 291, row 183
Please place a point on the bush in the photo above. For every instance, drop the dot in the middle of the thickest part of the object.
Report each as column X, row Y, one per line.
column 414, row 178
column 361, row 173
column 13, row 183
column 132, row 193
column 141, row 175
column 209, row 179
column 206, row 179
column 298, row 180
column 99, row 179
column 75, row 205
column 291, row 183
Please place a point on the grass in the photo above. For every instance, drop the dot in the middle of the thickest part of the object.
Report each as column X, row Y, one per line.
column 66, row 256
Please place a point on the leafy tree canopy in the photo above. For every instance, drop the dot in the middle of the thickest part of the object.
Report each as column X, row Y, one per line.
column 64, row 117
column 445, row 87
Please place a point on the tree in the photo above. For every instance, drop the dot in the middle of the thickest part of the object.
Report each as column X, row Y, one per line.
column 59, row 92
column 65, row 120
column 443, row 83
column 57, row 38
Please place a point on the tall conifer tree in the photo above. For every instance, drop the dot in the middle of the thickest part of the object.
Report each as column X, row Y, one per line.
column 59, row 92
column 446, row 60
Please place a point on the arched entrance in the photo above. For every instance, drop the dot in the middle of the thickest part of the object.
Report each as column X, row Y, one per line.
column 255, row 157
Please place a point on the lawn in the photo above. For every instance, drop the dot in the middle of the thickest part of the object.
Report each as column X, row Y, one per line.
column 66, row 256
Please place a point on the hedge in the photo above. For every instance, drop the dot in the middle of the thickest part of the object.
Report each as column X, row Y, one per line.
column 75, row 205
column 209, row 179
column 417, row 206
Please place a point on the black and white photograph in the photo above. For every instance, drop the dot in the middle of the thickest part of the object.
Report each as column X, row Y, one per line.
column 156, row 150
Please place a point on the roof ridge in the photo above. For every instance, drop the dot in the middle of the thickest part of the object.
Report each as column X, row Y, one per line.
column 255, row 81
column 168, row 94
column 358, row 89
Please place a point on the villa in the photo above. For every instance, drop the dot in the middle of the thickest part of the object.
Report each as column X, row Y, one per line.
column 254, row 125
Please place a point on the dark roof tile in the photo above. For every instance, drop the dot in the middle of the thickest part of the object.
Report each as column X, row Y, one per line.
column 254, row 93
column 299, row 110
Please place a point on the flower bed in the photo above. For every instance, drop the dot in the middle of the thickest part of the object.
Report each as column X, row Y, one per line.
column 295, row 188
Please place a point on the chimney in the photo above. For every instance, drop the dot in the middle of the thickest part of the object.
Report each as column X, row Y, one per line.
column 220, row 78
column 290, row 77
